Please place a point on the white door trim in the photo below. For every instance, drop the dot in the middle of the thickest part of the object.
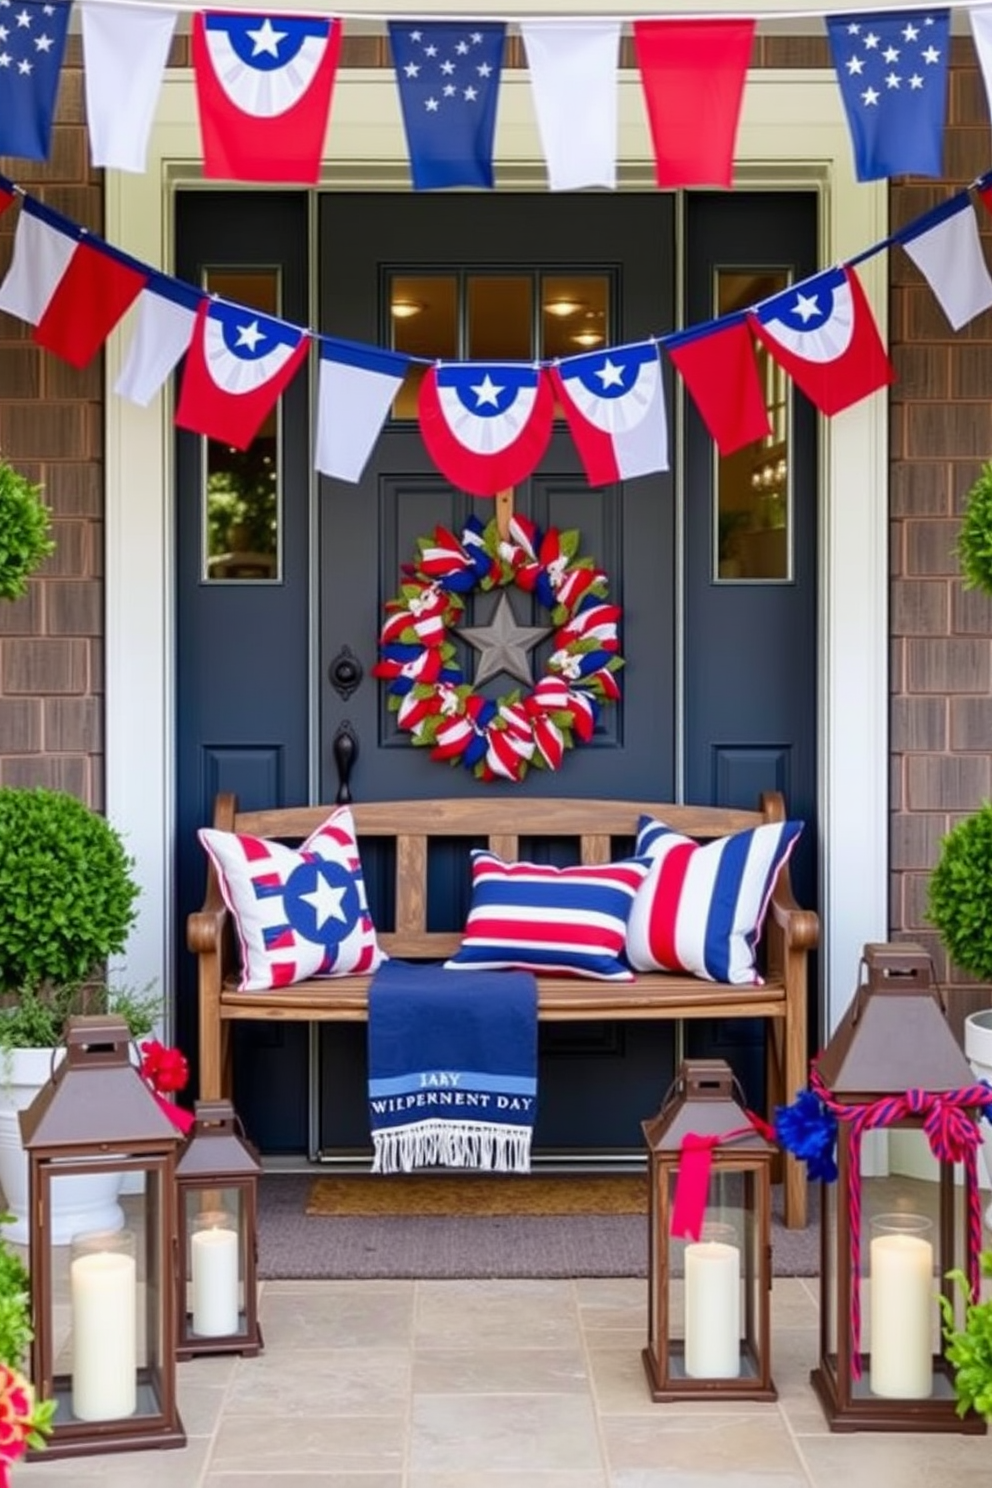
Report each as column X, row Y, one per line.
column 792, row 130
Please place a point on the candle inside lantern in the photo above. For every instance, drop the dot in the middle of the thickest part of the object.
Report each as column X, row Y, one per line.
column 712, row 1306
column 103, row 1289
column 902, row 1303
column 214, row 1276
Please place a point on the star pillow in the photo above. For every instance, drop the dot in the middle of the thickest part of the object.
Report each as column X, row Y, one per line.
column 702, row 906
column 299, row 912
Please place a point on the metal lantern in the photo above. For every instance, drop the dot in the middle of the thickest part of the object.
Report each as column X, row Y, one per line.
column 103, row 1306
column 887, row 1246
column 708, row 1297
column 217, row 1185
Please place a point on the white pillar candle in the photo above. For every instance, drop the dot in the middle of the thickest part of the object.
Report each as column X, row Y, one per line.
column 103, row 1287
column 214, row 1274
column 712, row 1310
column 901, row 1313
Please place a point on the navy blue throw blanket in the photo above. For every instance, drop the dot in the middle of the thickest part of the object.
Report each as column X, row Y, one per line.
column 452, row 1068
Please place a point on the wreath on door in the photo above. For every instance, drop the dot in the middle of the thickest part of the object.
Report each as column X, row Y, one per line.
column 499, row 738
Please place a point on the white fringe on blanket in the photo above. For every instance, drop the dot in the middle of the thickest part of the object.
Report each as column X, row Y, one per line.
column 452, row 1144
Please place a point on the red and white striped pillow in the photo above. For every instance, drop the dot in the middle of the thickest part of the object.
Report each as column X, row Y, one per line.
column 702, row 906
column 560, row 921
column 299, row 912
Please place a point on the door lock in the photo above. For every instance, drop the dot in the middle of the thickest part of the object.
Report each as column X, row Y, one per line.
column 345, row 673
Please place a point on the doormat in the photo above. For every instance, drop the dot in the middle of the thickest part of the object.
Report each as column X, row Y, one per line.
column 420, row 1195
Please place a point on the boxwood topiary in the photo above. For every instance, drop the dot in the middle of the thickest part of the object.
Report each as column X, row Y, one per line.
column 974, row 545
column 25, row 523
column 959, row 902
column 66, row 887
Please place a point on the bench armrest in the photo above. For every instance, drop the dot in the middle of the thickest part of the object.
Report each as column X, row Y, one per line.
column 800, row 927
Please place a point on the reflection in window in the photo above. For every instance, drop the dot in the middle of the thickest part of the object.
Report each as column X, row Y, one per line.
column 574, row 314
column 500, row 318
column 242, row 487
column 753, row 485
column 423, row 313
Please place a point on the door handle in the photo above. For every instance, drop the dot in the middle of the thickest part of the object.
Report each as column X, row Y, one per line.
column 345, row 672
column 344, row 747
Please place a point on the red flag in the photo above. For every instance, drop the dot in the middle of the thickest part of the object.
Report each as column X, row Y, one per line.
column 692, row 73
column 263, row 88
column 92, row 295
column 720, row 371
column 823, row 333
column 237, row 365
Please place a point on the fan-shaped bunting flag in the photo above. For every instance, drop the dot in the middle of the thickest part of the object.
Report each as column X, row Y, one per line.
column 263, row 88
column 486, row 425
column 238, row 364
column 823, row 333
column 615, row 407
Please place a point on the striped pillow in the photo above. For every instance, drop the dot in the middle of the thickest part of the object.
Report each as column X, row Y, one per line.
column 560, row 921
column 702, row 906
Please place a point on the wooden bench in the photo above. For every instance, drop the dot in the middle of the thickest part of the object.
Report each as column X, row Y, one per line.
column 790, row 932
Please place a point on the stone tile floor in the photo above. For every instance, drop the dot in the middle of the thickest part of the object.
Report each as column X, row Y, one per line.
column 500, row 1384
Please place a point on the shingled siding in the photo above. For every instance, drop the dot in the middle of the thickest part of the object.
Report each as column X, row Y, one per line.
column 51, row 428
column 941, row 433
column 51, row 425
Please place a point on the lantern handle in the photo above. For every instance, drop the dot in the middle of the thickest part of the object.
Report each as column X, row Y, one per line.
column 873, row 976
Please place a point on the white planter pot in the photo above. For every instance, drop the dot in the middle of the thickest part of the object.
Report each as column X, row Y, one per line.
column 978, row 1051
column 79, row 1203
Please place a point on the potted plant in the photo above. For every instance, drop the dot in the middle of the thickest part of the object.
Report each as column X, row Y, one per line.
column 974, row 546
column 969, row 1348
column 959, row 906
column 25, row 523
column 26, row 1422
column 68, row 896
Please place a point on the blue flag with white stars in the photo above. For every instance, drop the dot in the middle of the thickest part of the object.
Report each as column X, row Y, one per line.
column 892, row 71
column 448, row 77
column 32, row 42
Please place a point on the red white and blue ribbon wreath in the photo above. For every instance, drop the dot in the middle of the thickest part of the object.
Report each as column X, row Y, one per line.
column 501, row 738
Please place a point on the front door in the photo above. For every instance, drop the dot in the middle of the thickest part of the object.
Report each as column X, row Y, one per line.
column 718, row 602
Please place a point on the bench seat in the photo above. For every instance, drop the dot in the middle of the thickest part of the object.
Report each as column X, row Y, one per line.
column 409, row 826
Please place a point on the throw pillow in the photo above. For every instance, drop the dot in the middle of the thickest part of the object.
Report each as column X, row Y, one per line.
column 702, row 906
column 299, row 912
column 560, row 921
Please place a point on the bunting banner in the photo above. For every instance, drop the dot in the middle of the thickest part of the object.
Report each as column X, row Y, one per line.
column 32, row 46
column 264, row 84
column 616, row 412
column 237, row 365
column 263, row 89
column 823, row 333
column 485, row 425
column 448, row 77
column 573, row 75
column 125, row 50
column 892, row 70
column 693, row 73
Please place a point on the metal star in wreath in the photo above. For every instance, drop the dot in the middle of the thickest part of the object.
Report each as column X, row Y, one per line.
column 503, row 645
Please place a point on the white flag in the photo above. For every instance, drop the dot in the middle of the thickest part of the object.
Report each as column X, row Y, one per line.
column 573, row 75
column 166, row 317
column 981, row 30
column 945, row 247
column 125, row 49
column 355, row 388
column 42, row 255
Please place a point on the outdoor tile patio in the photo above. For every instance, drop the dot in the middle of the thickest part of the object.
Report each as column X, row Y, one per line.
column 500, row 1384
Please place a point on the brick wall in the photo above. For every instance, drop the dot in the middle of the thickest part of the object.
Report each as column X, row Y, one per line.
column 941, row 433
column 51, row 428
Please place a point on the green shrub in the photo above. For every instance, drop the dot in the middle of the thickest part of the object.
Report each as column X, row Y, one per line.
column 15, row 1305
column 974, row 546
column 66, row 887
column 959, row 900
column 25, row 524
column 969, row 1349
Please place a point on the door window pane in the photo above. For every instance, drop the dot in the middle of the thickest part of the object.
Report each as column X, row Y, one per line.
column 753, row 536
column 242, row 491
column 500, row 318
column 574, row 314
column 423, row 314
